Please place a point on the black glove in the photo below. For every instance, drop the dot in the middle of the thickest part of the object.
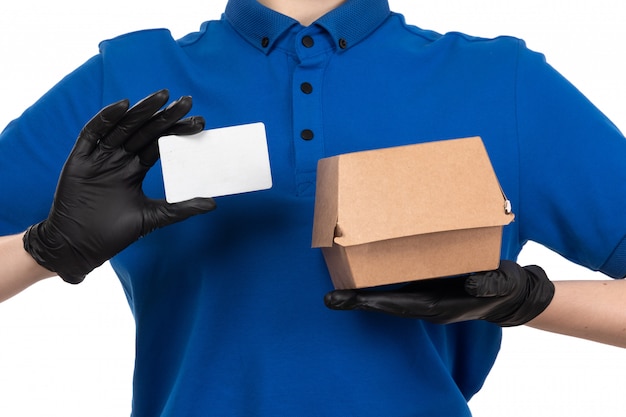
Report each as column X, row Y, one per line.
column 509, row 296
column 99, row 207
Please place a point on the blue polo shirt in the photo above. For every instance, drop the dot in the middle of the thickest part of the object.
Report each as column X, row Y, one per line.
column 229, row 305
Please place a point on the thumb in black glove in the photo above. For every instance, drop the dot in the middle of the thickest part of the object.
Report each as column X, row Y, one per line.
column 509, row 296
column 99, row 207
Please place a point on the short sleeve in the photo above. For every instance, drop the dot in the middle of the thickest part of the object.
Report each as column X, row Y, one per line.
column 34, row 147
column 572, row 170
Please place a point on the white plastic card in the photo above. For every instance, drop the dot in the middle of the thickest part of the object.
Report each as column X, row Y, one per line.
column 214, row 163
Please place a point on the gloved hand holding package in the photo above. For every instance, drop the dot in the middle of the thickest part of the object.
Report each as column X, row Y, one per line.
column 509, row 296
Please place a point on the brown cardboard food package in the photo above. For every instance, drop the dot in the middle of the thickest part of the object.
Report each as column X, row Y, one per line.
column 411, row 212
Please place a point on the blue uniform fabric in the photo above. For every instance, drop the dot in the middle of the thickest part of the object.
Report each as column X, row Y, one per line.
column 228, row 305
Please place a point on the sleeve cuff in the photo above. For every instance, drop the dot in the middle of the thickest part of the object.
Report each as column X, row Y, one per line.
column 615, row 266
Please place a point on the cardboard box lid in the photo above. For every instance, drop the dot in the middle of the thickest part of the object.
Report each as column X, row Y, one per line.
column 389, row 193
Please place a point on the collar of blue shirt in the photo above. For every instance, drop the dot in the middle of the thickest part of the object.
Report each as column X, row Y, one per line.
column 348, row 24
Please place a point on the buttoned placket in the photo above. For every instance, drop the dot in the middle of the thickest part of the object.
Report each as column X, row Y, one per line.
column 313, row 48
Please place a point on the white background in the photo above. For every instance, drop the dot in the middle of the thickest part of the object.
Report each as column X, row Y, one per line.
column 68, row 350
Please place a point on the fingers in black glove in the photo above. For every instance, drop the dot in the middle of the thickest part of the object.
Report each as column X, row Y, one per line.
column 509, row 296
column 99, row 127
column 134, row 119
column 158, row 125
column 146, row 145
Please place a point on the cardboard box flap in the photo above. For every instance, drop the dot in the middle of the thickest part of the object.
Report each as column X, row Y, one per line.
column 408, row 190
column 326, row 203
